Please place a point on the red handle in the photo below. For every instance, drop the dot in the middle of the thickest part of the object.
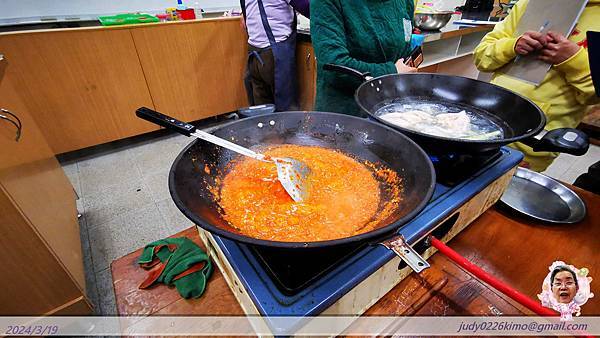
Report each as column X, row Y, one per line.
column 497, row 284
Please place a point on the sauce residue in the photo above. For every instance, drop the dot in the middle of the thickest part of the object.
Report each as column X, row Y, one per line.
column 345, row 197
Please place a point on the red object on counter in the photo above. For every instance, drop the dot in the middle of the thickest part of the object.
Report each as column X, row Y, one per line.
column 162, row 17
column 497, row 284
column 187, row 14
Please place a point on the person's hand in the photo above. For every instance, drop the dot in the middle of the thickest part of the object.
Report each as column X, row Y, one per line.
column 530, row 42
column 402, row 68
column 558, row 49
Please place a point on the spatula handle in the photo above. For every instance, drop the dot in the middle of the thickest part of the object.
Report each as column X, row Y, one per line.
column 190, row 130
column 165, row 121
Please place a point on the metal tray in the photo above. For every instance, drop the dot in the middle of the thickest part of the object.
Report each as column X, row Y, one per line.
column 538, row 196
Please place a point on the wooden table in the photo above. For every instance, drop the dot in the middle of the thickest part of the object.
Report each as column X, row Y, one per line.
column 514, row 250
column 591, row 124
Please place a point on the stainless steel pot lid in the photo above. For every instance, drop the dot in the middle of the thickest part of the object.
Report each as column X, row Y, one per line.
column 541, row 197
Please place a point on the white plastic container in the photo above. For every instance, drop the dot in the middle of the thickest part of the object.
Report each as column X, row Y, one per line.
column 197, row 10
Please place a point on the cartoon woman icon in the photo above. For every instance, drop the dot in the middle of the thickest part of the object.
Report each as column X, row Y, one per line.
column 566, row 289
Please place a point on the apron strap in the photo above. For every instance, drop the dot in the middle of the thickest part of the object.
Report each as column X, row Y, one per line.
column 265, row 22
column 243, row 6
column 257, row 56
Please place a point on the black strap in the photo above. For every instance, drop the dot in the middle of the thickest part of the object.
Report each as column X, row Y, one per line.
column 265, row 22
column 243, row 6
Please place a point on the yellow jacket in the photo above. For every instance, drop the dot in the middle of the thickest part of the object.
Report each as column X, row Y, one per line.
column 565, row 91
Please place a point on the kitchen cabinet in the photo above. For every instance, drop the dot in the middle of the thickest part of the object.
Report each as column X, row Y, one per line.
column 82, row 86
column 306, row 67
column 194, row 70
column 41, row 262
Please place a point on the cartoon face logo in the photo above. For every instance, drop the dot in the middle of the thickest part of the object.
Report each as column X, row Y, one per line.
column 565, row 289
column 564, row 284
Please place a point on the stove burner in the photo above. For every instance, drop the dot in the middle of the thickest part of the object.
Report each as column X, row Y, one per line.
column 292, row 271
column 452, row 169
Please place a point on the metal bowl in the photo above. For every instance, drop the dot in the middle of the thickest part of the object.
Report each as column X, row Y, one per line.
column 432, row 21
column 540, row 197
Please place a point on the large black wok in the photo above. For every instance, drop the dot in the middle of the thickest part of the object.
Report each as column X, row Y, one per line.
column 190, row 181
column 520, row 119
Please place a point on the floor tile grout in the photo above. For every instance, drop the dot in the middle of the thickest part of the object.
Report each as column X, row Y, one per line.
column 158, row 158
column 95, row 226
column 88, row 270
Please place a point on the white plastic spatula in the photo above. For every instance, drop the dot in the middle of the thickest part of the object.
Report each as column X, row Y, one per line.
column 290, row 173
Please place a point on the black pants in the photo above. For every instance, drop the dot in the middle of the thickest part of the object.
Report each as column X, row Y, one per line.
column 260, row 76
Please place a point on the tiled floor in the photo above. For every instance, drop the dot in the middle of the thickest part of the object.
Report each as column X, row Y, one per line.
column 567, row 168
column 125, row 203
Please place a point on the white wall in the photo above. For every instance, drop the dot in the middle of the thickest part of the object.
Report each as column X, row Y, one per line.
column 36, row 8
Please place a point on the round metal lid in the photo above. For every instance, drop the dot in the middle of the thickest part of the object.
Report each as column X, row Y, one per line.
column 543, row 198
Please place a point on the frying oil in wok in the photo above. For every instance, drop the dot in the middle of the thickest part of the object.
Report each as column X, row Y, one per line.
column 344, row 196
column 440, row 120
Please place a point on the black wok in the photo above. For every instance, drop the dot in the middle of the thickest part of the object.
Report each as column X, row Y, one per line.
column 520, row 119
column 190, row 182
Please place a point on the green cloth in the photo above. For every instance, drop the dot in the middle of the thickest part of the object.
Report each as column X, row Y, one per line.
column 185, row 255
column 367, row 35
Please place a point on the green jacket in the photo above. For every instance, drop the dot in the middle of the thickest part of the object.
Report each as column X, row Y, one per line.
column 367, row 35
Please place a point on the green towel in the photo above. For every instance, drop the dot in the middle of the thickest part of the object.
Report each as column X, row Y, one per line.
column 179, row 262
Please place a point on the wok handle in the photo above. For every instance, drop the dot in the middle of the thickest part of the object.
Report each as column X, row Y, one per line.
column 165, row 121
column 563, row 140
column 366, row 76
column 403, row 250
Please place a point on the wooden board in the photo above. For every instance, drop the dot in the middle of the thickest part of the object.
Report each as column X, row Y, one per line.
column 82, row 87
column 431, row 293
column 159, row 299
column 194, row 70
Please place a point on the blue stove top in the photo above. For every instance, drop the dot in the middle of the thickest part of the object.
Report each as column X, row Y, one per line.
column 328, row 288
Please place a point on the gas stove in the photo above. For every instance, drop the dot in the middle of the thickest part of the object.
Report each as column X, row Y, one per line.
column 348, row 280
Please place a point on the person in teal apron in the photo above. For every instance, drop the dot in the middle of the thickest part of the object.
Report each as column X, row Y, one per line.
column 368, row 35
column 271, row 68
